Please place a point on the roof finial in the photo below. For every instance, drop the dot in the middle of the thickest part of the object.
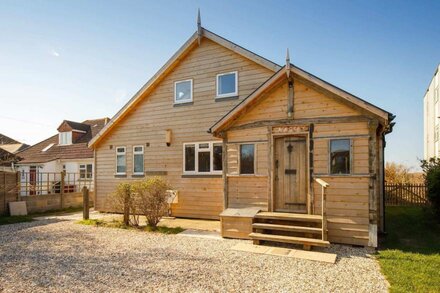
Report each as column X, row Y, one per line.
column 199, row 26
column 287, row 63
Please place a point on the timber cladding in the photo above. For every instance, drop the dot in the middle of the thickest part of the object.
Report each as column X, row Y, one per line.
column 348, row 203
column 267, row 117
column 199, row 197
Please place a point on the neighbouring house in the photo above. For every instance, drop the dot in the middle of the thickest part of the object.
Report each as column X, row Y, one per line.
column 431, row 117
column 8, row 149
column 275, row 152
column 41, row 165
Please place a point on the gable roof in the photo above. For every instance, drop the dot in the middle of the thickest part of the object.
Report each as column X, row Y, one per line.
column 303, row 75
column 171, row 63
column 72, row 125
column 7, row 140
column 53, row 151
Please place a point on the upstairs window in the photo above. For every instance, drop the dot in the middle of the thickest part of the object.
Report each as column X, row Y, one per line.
column 183, row 91
column 138, row 160
column 340, row 155
column 227, row 84
column 65, row 138
column 121, row 162
column 85, row 171
column 247, row 159
column 203, row 158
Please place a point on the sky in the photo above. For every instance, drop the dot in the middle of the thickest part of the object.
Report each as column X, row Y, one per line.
column 79, row 60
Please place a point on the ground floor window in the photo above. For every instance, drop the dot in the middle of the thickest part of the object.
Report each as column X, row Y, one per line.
column 247, row 159
column 85, row 171
column 138, row 159
column 203, row 158
column 121, row 162
column 340, row 154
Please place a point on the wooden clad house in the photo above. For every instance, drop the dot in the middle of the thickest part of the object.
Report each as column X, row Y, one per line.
column 252, row 143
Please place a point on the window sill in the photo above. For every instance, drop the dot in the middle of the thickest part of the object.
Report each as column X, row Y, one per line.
column 202, row 175
column 121, row 175
column 181, row 104
column 226, row 98
column 246, row 175
column 341, row 175
column 138, row 175
column 156, row 172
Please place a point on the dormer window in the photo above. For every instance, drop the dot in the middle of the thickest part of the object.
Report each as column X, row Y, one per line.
column 183, row 91
column 227, row 84
column 65, row 138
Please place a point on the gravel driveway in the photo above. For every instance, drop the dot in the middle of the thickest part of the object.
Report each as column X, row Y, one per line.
column 54, row 255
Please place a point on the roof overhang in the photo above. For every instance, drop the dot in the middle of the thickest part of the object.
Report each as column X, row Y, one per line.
column 312, row 81
column 169, row 65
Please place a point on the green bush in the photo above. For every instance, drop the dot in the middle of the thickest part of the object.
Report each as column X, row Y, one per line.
column 431, row 170
column 152, row 197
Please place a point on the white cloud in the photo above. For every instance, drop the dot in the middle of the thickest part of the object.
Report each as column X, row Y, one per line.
column 55, row 53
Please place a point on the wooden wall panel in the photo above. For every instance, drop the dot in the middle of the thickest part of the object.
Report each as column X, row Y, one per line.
column 247, row 191
column 198, row 197
column 347, row 209
column 308, row 103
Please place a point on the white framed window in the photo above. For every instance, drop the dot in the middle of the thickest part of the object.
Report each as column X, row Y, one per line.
column 183, row 91
column 138, row 160
column 247, row 159
column 85, row 171
column 227, row 84
column 65, row 138
column 121, row 161
column 203, row 158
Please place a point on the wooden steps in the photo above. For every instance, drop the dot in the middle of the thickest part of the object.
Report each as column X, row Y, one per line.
column 289, row 216
column 295, row 228
column 266, row 226
column 289, row 239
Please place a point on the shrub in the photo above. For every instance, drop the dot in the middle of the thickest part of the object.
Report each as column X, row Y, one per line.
column 152, row 199
column 431, row 170
column 127, row 201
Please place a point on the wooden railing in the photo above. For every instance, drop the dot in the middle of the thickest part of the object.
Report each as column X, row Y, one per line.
column 40, row 183
column 324, row 186
column 406, row 194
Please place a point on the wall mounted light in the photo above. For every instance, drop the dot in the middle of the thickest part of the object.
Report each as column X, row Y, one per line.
column 168, row 137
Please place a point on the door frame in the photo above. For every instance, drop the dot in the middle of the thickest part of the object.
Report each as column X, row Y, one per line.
column 287, row 131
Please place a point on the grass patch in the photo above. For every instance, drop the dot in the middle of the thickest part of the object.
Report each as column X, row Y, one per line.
column 59, row 211
column 164, row 229
column 119, row 224
column 410, row 254
column 15, row 219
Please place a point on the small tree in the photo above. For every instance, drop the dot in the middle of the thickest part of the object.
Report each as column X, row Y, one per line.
column 152, row 199
column 431, row 170
column 126, row 200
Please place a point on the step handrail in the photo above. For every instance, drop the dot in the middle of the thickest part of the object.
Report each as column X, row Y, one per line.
column 324, row 186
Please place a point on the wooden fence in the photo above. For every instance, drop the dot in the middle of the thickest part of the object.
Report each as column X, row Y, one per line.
column 8, row 190
column 406, row 194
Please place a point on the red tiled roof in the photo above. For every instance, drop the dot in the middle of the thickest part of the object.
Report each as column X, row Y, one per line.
column 77, row 150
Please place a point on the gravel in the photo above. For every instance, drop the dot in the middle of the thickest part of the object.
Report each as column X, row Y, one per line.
column 53, row 256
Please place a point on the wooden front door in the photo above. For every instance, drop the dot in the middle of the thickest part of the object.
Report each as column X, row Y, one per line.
column 290, row 190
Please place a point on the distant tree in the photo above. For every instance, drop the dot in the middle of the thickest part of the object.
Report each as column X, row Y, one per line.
column 397, row 173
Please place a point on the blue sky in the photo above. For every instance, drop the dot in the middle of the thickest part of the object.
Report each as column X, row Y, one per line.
column 84, row 59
